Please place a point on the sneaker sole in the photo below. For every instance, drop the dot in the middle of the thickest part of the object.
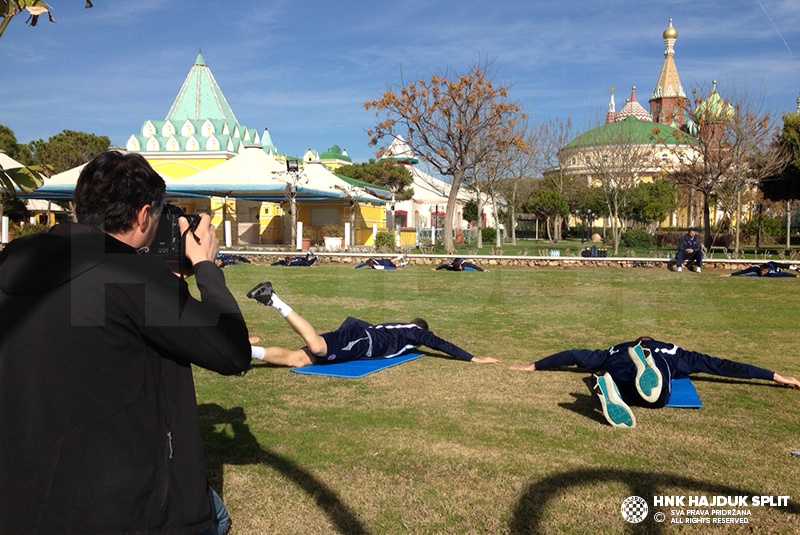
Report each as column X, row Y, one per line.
column 256, row 292
column 616, row 411
column 648, row 377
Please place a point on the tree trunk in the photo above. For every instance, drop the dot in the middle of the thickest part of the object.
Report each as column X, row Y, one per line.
column 788, row 224
column 706, row 221
column 479, row 222
column 549, row 234
column 513, row 220
column 450, row 211
column 498, row 238
column 738, row 220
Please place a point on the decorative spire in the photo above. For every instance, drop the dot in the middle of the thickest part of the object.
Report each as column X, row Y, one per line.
column 798, row 104
column 611, row 108
column 633, row 94
column 668, row 90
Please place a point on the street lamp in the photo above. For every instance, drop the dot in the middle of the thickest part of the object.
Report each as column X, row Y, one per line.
column 588, row 224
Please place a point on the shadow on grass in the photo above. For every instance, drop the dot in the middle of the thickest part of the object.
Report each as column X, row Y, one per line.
column 528, row 513
column 585, row 405
column 236, row 445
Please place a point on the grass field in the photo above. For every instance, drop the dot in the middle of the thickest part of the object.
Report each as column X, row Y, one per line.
column 442, row 446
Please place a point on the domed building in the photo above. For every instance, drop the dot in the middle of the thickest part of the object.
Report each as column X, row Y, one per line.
column 636, row 145
column 210, row 162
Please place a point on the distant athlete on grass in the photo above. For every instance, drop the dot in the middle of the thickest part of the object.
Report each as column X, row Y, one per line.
column 383, row 263
column 768, row 269
column 459, row 264
column 354, row 339
column 640, row 373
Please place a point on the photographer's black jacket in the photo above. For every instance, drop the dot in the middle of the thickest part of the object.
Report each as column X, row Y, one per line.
column 100, row 431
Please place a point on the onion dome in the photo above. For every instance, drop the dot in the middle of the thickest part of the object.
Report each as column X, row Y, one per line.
column 633, row 108
column 670, row 32
column 714, row 109
column 335, row 153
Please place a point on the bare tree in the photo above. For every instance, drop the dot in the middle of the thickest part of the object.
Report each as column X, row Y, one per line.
column 551, row 137
column 452, row 121
column 705, row 152
column 522, row 166
column 755, row 153
column 615, row 157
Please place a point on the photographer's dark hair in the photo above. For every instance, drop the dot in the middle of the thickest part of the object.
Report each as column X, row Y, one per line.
column 113, row 187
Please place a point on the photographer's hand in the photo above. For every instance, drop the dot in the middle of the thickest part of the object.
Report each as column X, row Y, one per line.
column 203, row 244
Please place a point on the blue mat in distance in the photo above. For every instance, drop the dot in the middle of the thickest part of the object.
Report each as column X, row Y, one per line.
column 684, row 395
column 355, row 368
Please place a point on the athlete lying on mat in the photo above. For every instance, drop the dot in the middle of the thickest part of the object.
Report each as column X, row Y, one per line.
column 354, row 339
column 642, row 371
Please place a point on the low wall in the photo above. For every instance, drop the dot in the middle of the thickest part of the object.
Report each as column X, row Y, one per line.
column 511, row 261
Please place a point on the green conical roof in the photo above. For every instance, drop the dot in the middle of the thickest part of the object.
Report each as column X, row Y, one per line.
column 200, row 97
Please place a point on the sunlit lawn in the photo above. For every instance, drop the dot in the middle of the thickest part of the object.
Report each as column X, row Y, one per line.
column 442, row 446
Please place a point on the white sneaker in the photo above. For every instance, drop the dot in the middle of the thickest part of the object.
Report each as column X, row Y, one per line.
column 697, row 270
column 680, row 269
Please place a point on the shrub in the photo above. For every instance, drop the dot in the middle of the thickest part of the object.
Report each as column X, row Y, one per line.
column 769, row 227
column 332, row 230
column 385, row 242
column 634, row 237
column 488, row 234
column 26, row 230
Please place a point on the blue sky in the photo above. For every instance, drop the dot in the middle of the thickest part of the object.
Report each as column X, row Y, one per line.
column 306, row 68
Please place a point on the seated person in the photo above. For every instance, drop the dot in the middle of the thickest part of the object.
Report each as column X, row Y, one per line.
column 459, row 264
column 769, row 269
column 382, row 263
column 641, row 372
column 297, row 261
column 691, row 250
column 354, row 339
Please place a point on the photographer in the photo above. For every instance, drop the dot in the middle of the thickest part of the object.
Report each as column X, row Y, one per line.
column 97, row 405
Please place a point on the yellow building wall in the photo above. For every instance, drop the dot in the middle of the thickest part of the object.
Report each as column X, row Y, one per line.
column 270, row 222
column 366, row 215
column 178, row 167
column 270, row 218
column 219, row 208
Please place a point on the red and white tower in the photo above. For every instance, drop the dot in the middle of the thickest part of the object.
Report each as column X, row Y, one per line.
column 668, row 95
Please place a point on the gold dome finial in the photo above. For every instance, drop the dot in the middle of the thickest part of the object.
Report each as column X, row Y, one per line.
column 670, row 32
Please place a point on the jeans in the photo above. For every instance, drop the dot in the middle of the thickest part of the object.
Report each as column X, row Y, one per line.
column 696, row 256
column 222, row 521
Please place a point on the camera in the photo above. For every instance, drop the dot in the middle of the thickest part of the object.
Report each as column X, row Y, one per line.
column 168, row 242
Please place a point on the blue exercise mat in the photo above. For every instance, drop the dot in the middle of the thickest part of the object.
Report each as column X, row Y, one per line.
column 684, row 395
column 355, row 368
